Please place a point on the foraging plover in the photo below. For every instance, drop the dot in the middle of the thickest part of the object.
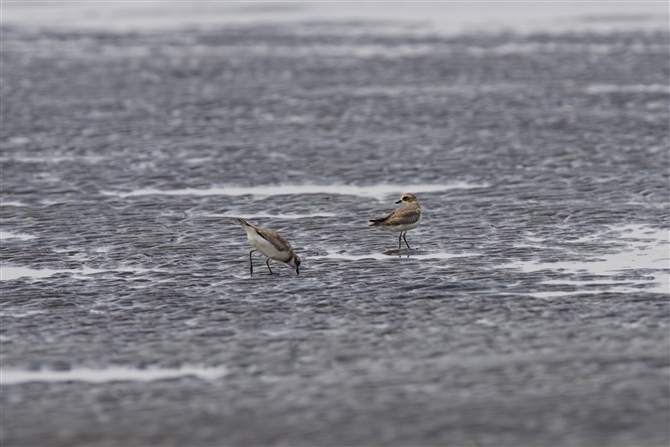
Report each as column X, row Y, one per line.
column 270, row 244
column 402, row 219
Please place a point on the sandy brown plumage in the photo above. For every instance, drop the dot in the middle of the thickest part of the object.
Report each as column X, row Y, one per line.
column 401, row 216
column 402, row 219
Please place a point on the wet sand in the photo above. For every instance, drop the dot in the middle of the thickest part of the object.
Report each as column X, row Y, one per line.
column 532, row 308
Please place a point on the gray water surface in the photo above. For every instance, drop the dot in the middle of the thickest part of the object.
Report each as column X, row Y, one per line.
column 532, row 308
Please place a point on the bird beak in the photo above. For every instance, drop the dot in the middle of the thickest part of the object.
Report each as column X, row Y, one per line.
column 399, row 201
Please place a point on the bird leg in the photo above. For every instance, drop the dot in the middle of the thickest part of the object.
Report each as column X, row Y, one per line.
column 251, row 264
column 399, row 242
column 267, row 262
column 404, row 236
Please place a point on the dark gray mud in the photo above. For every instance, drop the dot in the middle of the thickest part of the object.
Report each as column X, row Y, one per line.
column 495, row 329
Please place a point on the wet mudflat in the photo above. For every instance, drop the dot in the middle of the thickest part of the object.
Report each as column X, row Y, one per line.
column 532, row 308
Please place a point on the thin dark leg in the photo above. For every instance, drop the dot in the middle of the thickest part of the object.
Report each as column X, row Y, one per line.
column 251, row 264
column 267, row 262
column 404, row 236
column 399, row 241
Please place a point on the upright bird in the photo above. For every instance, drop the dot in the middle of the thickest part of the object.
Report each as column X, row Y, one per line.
column 271, row 245
column 402, row 219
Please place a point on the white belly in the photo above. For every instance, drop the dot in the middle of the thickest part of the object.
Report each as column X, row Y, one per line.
column 266, row 247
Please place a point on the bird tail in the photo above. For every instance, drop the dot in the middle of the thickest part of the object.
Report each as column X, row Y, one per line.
column 376, row 222
column 243, row 222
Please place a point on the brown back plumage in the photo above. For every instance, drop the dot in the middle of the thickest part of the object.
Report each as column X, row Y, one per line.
column 273, row 237
column 402, row 216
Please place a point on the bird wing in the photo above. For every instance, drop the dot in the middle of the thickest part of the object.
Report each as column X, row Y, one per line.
column 382, row 220
column 274, row 238
column 402, row 216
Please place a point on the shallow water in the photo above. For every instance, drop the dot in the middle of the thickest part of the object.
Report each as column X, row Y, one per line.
column 531, row 309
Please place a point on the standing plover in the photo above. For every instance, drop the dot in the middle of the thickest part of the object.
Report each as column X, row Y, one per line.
column 402, row 219
column 270, row 244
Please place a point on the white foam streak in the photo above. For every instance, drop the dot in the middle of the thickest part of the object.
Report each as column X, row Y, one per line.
column 598, row 89
column 377, row 191
column 8, row 235
column 273, row 216
column 115, row 374
column 12, row 272
column 391, row 255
